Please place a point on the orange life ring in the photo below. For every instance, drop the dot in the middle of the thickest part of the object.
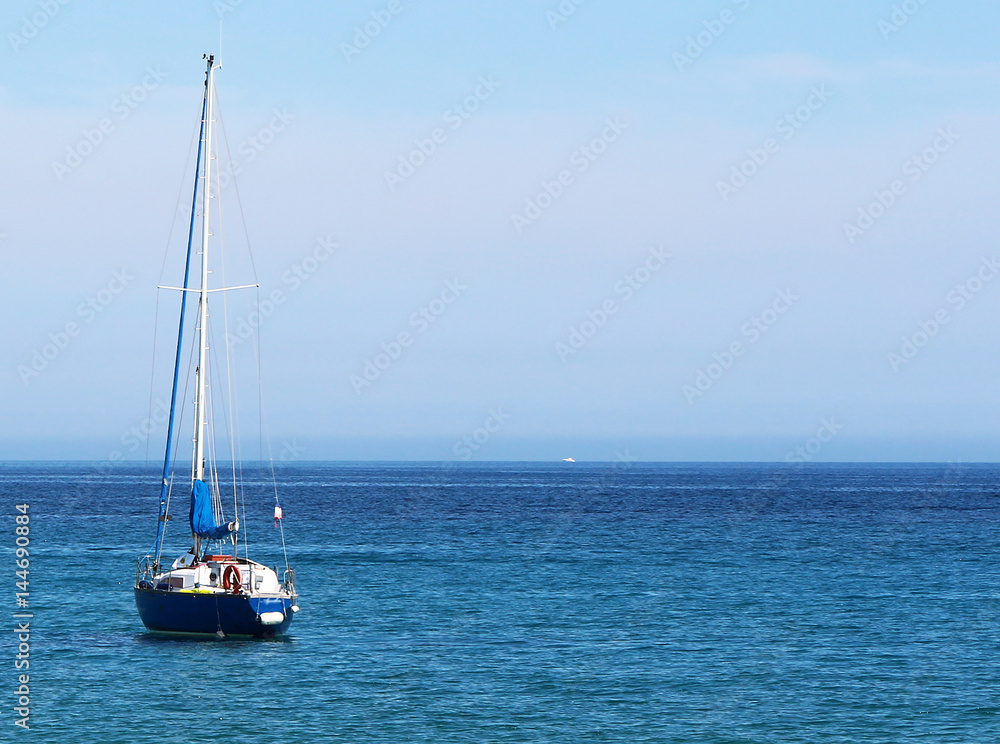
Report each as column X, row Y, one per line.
column 232, row 580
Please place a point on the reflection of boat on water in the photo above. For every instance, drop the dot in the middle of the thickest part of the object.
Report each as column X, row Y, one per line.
column 208, row 591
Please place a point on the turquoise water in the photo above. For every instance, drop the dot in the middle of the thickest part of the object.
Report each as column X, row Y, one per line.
column 536, row 603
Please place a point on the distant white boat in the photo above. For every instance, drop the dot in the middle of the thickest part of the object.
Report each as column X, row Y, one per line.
column 568, row 459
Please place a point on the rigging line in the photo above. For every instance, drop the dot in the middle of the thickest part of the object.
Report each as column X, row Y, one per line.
column 212, row 452
column 218, row 619
column 180, row 193
column 225, row 326
column 169, row 444
column 228, row 391
column 243, row 504
column 246, row 541
column 176, row 452
column 253, row 267
column 239, row 491
column 230, row 434
column 217, row 494
column 213, row 440
column 228, row 431
column 266, row 437
column 163, row 267
column 198, row 413
column 253, row 270
column 239, row 201
column 208, row 449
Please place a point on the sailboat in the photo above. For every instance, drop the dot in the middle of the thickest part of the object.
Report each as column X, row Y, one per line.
column 210, row 589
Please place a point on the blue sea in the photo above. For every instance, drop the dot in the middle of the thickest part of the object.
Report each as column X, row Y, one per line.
column 524, row 602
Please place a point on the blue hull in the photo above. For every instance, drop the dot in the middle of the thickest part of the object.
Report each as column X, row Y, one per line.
column 233, row 614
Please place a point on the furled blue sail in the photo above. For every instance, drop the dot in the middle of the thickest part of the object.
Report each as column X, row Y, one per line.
column 202, row 519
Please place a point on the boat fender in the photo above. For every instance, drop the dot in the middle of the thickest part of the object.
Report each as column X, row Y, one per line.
column 271, row 618
column 232, row 580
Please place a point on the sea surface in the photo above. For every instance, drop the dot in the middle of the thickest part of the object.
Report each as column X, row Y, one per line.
column 524, row 602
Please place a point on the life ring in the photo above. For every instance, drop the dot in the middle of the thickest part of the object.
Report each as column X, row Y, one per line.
column 232, row 580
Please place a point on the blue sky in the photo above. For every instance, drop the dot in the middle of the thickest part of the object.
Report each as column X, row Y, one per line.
column 790, row 208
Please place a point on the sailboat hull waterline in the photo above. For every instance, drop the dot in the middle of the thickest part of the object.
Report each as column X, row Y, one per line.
column 219, row 596
column 211, row 614
column 214, row 588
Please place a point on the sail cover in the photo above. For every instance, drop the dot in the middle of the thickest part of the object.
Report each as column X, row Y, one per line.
column 202, row 519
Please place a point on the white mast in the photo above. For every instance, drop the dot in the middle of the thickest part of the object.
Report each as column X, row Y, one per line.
column 201, row 378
